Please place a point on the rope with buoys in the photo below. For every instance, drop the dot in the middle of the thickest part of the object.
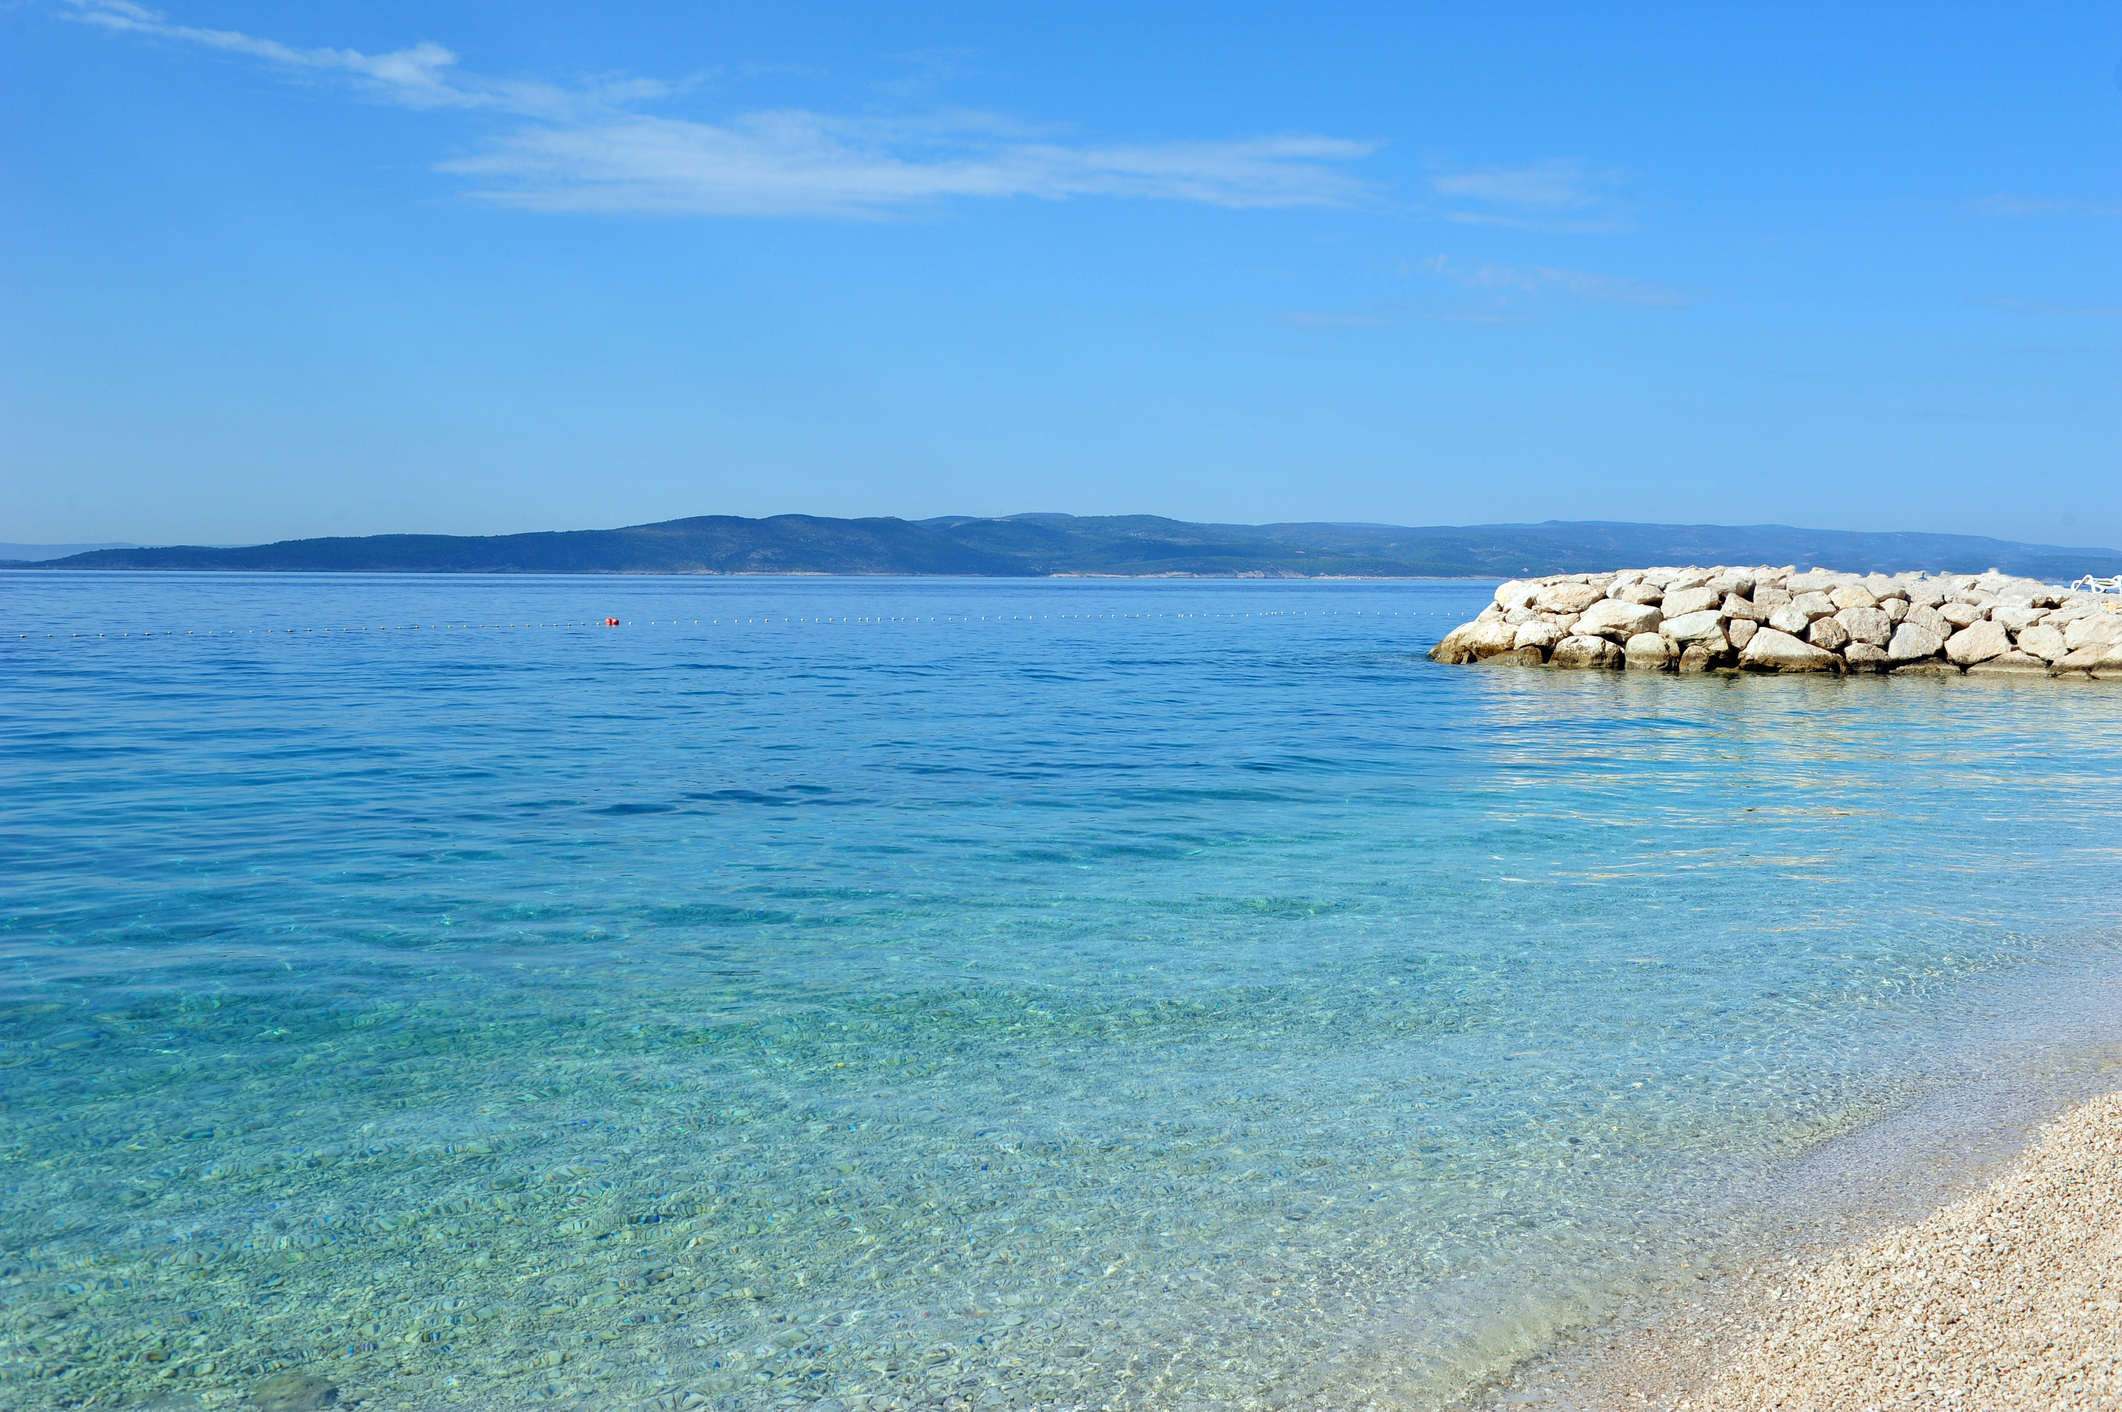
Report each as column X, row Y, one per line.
column 944, row 618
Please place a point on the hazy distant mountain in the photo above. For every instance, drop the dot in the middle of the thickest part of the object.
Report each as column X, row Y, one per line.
column 1129, row 545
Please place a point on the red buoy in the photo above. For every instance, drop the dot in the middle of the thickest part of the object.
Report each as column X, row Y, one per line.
column 611, row 622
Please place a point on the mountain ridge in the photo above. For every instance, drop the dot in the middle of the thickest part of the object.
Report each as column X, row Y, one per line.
column 1050, row 545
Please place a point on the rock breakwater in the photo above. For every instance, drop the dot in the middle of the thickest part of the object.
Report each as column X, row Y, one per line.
column 1781, row 620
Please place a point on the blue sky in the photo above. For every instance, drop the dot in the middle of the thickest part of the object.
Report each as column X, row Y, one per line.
column 282, row 270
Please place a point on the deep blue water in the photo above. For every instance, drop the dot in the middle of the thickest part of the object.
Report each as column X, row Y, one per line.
column 956, row 993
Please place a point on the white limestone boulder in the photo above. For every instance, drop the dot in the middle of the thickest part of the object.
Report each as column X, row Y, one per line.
column 1542, row 633
column 1913, row 642
column 1977, row 642
column 1865, row 657
column 2102, row 627
column 1648, row 652
column 1610, row 617
column 1789, row 618
column 1692, row 627
column 1867, row 625
column 2043, row 641
column 1680, row 602
column 1828, row 633
column 1568, row 597
column 1585, row 652
column 1774, row 651
column 1931, row 621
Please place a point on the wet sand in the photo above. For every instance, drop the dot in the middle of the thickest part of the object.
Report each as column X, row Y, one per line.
column 2008, row 1297
column 2011, row 1297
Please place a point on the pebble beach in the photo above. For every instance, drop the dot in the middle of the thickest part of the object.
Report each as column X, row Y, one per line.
column 2011, row 1298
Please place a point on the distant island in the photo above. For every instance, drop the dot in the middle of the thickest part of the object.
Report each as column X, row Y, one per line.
column 1133, row 546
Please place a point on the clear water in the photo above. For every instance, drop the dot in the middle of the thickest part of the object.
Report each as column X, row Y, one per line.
column 941, row 993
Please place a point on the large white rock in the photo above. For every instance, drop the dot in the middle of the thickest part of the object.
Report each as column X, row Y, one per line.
column 1690, row 627
column 1569, row 597
column 1741, row 631
column 1814, row 604
column 1788, row 617
column 1733, row 582
column 2043, row 641
column 1864, row 657
column 2016, row 619
column 1636, row 592
column 1540, row 632
column 2093, row 656
column 1930, row 621
column 1680, row 602
column 1978, row 642
column 1736, row 607
column 1583, row 651
column 1870, row 625
column 1774, row 651
column 1853, row 595
column 1828, row 633
column 1912, row 642
column 1648, row 652
column 1516, row 594
column 1474, row 641
column 2103, row 627
column 1961, row 615
column 1610, row 617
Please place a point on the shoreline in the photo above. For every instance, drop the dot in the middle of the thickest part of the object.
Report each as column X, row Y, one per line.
column 1879, row 1222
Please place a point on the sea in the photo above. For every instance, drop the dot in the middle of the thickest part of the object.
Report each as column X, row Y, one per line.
column 868, row 993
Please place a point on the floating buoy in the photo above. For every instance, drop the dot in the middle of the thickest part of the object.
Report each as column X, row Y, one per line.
column 611, row 622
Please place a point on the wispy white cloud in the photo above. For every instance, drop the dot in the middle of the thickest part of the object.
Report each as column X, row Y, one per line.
column 795, row 163
column 583, row 147
column 1554, row 196
column 1310, row 320
column 2025, row 207
column 1547, row 280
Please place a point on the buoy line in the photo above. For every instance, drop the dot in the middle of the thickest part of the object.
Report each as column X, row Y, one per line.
column 962, row 619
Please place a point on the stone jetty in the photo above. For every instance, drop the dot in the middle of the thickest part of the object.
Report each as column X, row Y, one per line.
column 1781, row 620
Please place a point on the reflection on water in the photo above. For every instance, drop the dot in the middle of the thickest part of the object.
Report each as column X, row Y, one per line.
column 1132, row 995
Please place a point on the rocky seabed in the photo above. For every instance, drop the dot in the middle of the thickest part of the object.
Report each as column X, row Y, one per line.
column 1780, row 620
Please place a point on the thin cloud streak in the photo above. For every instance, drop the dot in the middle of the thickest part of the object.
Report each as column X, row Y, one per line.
column 1558, row 197
column 583, row 150
column 1309, row 320
column 794, row 163
column 1545, row 279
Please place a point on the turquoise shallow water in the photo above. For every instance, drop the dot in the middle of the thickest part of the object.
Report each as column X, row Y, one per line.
column 943, row 993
